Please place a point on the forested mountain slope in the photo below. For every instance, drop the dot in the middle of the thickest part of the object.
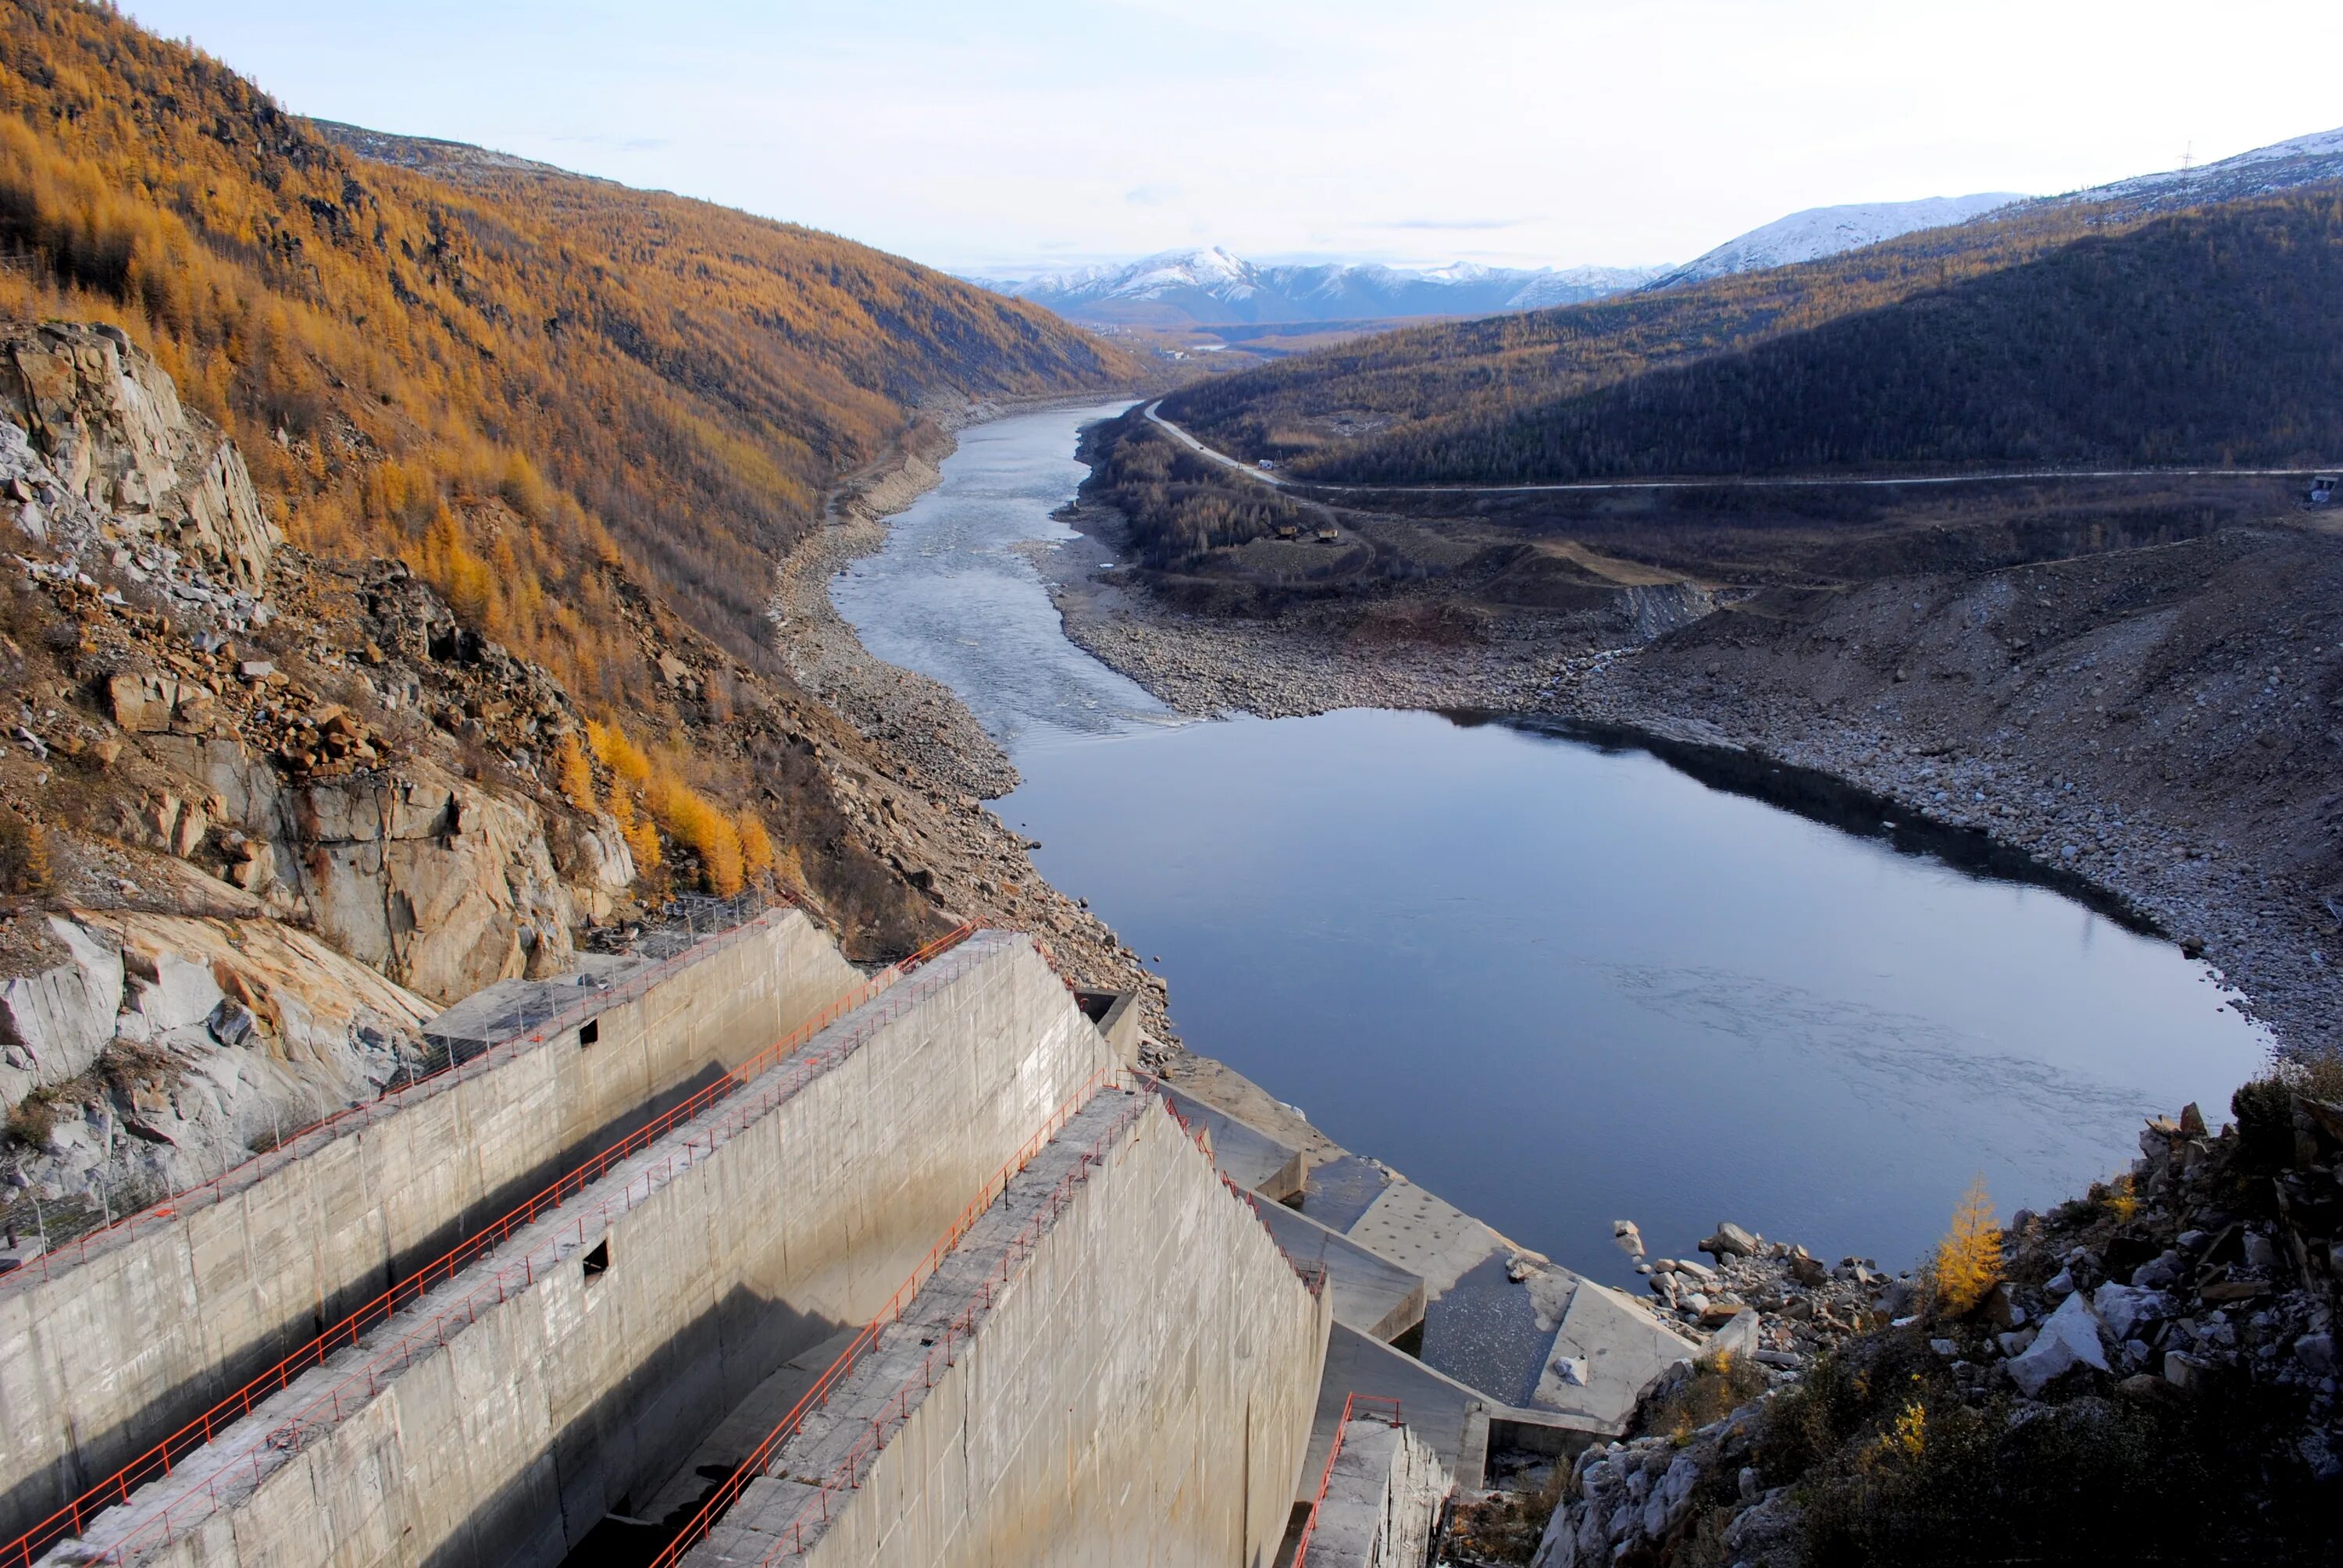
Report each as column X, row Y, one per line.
column 2200, row 339
column 641, row 380
column 1870, row 357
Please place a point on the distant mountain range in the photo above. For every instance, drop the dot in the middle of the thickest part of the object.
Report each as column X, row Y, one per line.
column 1210, row 286
column 2167, row 320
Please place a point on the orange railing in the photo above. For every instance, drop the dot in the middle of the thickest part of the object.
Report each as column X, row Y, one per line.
column 304, row 1139
column 160, row 1460
column 865, row 1340
column 1342, row 1430
column 848, row 1472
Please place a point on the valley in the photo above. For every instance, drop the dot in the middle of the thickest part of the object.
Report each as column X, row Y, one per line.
column 678, row 891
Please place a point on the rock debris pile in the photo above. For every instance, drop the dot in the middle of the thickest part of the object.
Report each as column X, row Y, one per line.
column 2154, row 1369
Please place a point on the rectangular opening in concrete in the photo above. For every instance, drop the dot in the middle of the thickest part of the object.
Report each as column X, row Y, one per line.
column 597, row 1262
column 590, row 1031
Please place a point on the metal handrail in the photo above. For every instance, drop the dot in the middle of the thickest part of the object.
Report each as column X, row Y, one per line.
column 159, row 1461
column 1350, row 1402
column 246, row 1171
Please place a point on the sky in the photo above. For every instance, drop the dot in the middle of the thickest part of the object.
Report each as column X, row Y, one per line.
column 1005, row 136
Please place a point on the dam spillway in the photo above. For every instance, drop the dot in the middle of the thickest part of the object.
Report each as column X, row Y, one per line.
column 554, row 1374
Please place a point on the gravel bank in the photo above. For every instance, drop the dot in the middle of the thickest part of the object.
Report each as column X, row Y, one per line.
column 2039, row 706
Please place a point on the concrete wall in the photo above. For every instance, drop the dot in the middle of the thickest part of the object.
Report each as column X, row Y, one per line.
column 101, row 1359
column 1382, row 1505
column 800, row 1205
column 1138, row 1395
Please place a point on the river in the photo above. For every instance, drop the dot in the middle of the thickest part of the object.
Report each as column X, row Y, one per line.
column 1556, row 979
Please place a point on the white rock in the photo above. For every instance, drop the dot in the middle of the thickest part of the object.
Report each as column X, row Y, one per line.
column 62, row 1016
column 2124, row 1309
column 179, row 992
column 1738, row 1337
column 2068, row 1340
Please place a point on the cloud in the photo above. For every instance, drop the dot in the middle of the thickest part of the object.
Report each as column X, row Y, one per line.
column 1464, row 223
column 617, row 144
column 1155, row 194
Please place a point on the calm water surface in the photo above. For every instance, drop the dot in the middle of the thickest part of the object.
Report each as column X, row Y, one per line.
column 1555, row 982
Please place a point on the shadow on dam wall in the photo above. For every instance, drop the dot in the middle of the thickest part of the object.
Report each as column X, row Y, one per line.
column 1831, row 801
column 630, row 1439
column 128, row 1346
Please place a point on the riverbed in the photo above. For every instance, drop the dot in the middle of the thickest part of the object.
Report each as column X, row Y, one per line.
column 1552, row 977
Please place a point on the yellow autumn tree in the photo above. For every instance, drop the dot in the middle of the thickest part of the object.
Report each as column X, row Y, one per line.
column 693, row 821
column 641, row 837
column 1968, row 1260
column 756, row 844
column 571, row 775
column 621, row 756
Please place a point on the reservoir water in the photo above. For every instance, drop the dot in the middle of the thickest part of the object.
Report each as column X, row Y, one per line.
column 1557, row 980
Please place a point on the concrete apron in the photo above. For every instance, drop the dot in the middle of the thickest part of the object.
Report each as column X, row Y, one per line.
column 1114, row 1367
column 500, row 1419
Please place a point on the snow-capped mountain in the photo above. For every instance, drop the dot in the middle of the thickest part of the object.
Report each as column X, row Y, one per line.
column 1827, row 230
column 2281, row 166
column 1210, row 286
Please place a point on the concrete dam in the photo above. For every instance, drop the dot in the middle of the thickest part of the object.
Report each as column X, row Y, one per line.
column 742, row 1256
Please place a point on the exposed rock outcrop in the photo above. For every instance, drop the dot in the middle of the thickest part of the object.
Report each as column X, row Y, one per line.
column 108, row 424
column 217, row 1035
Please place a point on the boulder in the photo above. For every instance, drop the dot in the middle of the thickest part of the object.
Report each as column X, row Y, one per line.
column 1730, row 1242
column 1807, row 1268
column 169, row 990
column 158, row 704
column 2069, row 1339
column 1738, row 1337
column 1628, row 1236
column 2124, row 1310
column 231, row 1022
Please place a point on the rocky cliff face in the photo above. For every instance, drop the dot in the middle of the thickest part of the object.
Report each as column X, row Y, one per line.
column 251, row 794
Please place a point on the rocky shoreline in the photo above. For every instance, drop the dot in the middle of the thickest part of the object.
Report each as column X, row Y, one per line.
column 2208, row 895
column 926, row 816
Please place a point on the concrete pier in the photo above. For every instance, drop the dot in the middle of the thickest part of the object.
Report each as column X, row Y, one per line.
column 1114, row 1367
column 500, row 1419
